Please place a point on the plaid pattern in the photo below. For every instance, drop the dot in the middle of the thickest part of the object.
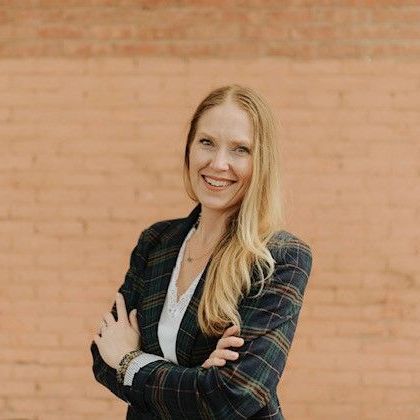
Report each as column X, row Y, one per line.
column 241, row 389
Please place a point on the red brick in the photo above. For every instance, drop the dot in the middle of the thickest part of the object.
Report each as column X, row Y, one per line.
column 401, row 379
column 335, row 410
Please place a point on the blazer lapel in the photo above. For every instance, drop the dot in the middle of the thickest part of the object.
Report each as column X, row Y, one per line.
column 189, row 328
column 160, row 264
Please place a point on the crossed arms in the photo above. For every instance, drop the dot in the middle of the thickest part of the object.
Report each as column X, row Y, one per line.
column 240, row 388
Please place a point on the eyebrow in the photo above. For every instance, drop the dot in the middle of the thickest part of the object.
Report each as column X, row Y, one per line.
column 236, row 142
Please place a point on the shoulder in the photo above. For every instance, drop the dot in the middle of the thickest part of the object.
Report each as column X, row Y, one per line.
column 157, row 231
column 279, row 298
column 288, row 249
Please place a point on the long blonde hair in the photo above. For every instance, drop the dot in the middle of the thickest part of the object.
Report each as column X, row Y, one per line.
column 243, row 247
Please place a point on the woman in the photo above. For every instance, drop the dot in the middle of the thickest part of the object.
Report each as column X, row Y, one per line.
column 196, row 284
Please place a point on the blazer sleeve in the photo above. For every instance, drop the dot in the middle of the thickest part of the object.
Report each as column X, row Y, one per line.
column 242, row 387
column 104, row 374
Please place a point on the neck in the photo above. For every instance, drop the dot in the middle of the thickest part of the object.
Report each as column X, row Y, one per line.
column 212, row 226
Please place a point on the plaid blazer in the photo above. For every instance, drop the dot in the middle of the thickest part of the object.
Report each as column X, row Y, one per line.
column 241, row 389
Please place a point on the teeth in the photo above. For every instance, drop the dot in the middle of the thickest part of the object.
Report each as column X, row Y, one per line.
column 217, row 183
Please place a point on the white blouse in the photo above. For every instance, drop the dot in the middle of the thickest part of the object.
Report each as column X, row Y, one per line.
column 172, row 313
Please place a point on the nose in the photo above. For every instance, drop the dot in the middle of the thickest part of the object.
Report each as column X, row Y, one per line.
column 220, row 161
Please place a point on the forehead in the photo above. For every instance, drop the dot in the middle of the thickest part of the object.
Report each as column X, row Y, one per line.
column 226, row 121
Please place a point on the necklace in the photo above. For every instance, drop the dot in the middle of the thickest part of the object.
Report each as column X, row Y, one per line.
column 189, row 258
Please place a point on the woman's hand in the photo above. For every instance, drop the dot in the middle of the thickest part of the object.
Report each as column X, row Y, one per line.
column 219, row 356
column 118, row 337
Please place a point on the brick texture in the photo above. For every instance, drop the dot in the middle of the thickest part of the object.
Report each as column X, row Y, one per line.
column 94, row 104
column 209, row 28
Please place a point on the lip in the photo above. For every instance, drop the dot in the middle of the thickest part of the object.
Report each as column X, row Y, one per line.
column 213, row 188
column 218, row 179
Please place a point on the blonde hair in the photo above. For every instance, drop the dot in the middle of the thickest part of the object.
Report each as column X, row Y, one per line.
column 243, row 247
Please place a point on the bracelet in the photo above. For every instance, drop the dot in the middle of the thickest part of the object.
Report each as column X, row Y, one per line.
column 122, row 368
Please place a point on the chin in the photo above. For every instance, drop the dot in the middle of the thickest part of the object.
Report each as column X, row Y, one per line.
column 217, row 205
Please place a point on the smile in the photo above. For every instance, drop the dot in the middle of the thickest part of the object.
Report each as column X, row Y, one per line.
column 217, row 184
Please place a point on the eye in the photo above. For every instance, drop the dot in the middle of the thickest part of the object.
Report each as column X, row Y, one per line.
column 243, row 149
column 202, row 141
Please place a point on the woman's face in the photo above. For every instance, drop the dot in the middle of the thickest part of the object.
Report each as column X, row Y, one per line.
column 221, row 154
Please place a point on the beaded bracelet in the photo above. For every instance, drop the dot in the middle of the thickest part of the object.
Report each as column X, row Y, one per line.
column 122, row 368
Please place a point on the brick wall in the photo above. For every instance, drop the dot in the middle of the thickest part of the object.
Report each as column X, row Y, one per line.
column 94, row 105
column 211, row 28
